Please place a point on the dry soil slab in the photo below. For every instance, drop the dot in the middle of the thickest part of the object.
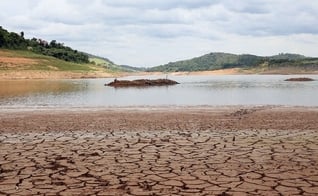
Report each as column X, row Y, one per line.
column 187, row 151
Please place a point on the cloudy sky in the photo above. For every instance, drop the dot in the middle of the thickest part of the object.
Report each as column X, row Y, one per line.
column 154, row 32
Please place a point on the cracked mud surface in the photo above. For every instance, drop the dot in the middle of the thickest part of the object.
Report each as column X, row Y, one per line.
column 189, row 151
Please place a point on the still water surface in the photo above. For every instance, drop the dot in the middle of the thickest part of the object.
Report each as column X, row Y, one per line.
column 192, row 90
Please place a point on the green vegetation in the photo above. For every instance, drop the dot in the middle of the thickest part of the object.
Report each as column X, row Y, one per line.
column 112, row 66
column 103, row 62
column 43, row 55
column 215, row 61
column 39, row 54
column 287, row 56
column 11, row 40
column 33, row 61
column 212, row 61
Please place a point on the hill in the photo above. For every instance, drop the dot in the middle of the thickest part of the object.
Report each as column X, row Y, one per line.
column 101, row 61
column 214, row 61
column 15, row 41
column 37, row 58
column 24, row 64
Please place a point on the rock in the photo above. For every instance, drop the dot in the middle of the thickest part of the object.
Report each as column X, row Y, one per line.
column 299, row 79
column 141, row 83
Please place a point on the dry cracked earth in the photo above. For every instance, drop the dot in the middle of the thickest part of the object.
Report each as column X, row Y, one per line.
column 211, row 151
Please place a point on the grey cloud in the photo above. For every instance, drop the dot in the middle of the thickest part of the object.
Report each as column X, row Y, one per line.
column 163, row 4
column 129, row 25
column 277, row 18
column 243, row 17
column 249, row 6
column 168, row 31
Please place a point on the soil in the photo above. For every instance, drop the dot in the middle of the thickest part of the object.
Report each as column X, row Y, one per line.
column 263, row 150
column 17, row 61
column 26, row 74
column 231, row 71
column 16, row 68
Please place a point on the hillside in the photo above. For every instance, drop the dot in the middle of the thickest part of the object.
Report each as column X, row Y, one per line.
column 22, row 64
column 37, row 58
column 15, row 41
column 293, row 63
column 104, row 62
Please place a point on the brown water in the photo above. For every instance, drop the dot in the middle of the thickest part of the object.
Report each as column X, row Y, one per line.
column 26, row 87
column 192, row 90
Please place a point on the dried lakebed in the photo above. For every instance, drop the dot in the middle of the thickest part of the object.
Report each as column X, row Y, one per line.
column 229, row 151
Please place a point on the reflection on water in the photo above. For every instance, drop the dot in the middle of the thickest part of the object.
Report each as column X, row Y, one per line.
column 29, row 87
column 193, row 90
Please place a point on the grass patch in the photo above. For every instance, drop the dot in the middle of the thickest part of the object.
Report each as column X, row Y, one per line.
column 21, row 54
column 99, row 61
column 42, row 62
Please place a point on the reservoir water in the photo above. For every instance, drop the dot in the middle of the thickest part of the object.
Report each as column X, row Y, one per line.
column 192, row 91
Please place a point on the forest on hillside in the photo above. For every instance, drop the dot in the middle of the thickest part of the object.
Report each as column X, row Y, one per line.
column 219, row 60
column 15, row 41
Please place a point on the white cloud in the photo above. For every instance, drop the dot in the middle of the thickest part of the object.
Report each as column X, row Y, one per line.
column 163, row 4
column 148, row 33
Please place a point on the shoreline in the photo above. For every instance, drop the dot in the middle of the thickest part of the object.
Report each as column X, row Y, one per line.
column 55, row 75
column 152, row 107
column 198, row 117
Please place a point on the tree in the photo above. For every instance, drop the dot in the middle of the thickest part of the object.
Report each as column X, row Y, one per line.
column 11, row 40
column 53, row 44
column 2, row 40
column 3, row 34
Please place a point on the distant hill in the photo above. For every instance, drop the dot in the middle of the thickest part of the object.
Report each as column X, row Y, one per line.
column 101, row 61
column 91, row 56
column 288, row 56
column 218, row 60
column 132, row 69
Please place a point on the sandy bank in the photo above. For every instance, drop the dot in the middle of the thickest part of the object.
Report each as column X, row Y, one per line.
column 20, row 74
column 14, row 75
column 160, row 118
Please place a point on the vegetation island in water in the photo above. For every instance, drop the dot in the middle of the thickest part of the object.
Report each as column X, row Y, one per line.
column 141, row 83
column 299, row 79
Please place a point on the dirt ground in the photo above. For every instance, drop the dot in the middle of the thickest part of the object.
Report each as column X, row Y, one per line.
column 17, row 68
column 261, row 150
column 18, row 75
column 31, row 74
